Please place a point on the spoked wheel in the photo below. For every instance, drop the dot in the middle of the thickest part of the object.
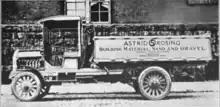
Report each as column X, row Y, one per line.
column 44, row 91
column 26, row 86
column 154, row 83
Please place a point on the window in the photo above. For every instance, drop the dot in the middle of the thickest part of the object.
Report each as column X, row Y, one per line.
column 64, row 40
column 96, row 11
column 100, row 10
column 76, row 8
column 202, row 2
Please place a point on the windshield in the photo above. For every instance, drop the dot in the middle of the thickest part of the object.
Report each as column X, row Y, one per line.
column 64, row 39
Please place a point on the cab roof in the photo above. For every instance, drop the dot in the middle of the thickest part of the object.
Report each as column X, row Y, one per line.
column 59, row 18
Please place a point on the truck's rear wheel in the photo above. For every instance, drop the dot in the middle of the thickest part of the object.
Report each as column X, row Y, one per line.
column 154, row 83
column 26, row 86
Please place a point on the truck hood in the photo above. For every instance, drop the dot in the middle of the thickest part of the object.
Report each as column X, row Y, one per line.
column 31, row 53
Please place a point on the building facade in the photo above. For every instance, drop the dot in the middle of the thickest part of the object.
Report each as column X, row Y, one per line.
column 114, row 11
column 144, row 11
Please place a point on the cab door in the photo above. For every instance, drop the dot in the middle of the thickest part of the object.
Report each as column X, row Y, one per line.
column 62, row 43
column 72, row 55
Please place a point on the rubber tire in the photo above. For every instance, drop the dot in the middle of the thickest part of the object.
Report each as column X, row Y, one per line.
column 20, row 75
column 164, row 73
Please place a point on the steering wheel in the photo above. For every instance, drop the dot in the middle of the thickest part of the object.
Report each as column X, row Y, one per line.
column 57, row 49
column 61, row 49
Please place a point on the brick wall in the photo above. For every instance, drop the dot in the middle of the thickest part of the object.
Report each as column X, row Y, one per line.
column 162, row 11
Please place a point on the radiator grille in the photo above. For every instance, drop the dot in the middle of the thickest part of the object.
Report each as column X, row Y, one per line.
column 30, row 62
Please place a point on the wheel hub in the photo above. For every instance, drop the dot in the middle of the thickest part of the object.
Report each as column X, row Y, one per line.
column 26, row 86
column 154, row 83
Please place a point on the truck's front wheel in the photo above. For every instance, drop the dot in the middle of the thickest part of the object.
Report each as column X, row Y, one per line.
column 26, row 86
column 154, row 83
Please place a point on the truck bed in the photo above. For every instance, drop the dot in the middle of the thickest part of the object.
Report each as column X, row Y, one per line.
column 152, row 48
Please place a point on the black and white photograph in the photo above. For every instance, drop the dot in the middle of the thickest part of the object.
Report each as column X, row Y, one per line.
column 109, row 53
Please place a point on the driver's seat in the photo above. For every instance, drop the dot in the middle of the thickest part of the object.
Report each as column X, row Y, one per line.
column 70, row 60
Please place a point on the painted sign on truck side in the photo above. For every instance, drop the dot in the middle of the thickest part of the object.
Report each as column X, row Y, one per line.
column 153, row 48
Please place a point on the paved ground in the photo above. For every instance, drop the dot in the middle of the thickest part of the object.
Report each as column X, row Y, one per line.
column 187, row 94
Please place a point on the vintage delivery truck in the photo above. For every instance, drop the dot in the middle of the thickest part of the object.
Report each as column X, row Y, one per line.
column 141, row 61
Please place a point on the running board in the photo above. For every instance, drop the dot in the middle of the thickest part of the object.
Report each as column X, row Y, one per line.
column 83, row 71
column 62, row 74
column 97, row 73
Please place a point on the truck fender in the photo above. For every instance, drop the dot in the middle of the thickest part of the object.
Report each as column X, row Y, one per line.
column 154, row 67
column 28, row 69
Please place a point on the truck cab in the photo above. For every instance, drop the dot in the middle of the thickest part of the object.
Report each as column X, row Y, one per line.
column 65, row 50
column 62, row 41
